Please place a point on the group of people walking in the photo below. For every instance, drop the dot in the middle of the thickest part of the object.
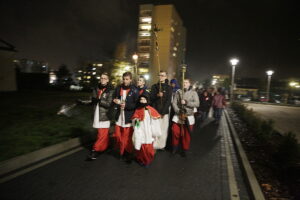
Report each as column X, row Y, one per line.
column 145, row 119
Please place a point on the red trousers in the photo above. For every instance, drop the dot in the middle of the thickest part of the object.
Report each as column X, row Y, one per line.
column 102, row 140
column 123, row 137
column 181, row 136
column 145, row 155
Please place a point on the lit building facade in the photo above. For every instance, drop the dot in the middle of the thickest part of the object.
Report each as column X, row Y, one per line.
column 171, row 39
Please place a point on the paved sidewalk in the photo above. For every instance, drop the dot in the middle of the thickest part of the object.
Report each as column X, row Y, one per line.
column 203, row 175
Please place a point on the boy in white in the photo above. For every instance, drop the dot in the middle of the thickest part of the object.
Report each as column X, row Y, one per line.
column 146, row 130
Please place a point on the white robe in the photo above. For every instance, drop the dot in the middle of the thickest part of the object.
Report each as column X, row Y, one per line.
column 97, row 123
column 146, row 132
column 121, row 119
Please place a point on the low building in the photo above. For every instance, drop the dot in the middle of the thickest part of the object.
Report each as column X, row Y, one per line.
column 7, row 69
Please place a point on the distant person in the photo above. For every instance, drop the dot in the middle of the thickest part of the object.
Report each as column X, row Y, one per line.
column 218, row 105
column 205, row 104
column 183, row 121
column 125, row 98
column 146, row 130
column 102, row 99
column 160, row 98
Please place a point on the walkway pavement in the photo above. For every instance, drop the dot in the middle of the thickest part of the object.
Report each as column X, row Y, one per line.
column 203, row 174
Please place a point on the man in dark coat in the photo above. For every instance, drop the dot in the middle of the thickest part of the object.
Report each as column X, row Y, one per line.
column 205, row 104
column 102, row 99
column 160, row 97
column 125, row 99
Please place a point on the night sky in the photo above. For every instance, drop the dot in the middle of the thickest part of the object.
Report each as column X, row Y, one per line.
column 263, row 34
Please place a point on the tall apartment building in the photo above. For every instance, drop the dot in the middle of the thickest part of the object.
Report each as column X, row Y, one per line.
column 170, row 37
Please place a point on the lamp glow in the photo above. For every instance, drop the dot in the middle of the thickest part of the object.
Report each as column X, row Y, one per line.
column 234, row 61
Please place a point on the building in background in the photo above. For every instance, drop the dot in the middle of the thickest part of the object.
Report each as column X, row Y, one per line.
column 171, row 39
column 31, row 66
column 7, row 69
column 220, row 80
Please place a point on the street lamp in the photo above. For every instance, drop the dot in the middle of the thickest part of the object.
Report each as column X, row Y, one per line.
column 135, row 59
column 269, row 73
column 233, row 62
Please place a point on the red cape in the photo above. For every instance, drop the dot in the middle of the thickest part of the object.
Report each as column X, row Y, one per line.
column 140, row 113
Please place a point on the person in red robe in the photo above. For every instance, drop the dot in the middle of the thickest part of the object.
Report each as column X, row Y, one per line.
column 146, row 130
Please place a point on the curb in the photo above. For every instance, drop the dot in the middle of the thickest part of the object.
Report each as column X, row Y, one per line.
column 246, row 167
column 26, row 160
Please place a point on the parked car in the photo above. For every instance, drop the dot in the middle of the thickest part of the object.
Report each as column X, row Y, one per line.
column 244, row 98
column 294, row 100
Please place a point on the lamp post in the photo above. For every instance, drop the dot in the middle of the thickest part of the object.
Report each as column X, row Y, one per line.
column 269, row 73
column 233, row 62
column 135, row 59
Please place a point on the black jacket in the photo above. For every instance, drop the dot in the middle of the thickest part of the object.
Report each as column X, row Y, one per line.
column 130, row 102
column 205, row 102
column 143, row 91
column 104, row 102
column 161, row 104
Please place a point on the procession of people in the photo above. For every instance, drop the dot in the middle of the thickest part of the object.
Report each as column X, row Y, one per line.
column 144, row 120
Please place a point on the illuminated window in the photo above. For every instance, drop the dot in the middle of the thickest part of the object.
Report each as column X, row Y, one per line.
column 174, row 54
column 98, row 77
column 79, row 78
column 145, row 34
column 175, row 48
column 145, row 55
column 143, row 70
column 79, row 71
column 145, row 27
column 88, row 77
column 94, row 73
column 100, row 65
column 146, row 19
column 94, row 68
column 172, row 29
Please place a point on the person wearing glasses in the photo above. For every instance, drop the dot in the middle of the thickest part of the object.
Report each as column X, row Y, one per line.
column 160, row 99
column 102, row 99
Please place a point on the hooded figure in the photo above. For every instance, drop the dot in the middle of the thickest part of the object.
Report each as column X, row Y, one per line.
column 146, row 130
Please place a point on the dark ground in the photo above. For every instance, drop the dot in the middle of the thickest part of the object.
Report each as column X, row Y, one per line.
column 200, row 175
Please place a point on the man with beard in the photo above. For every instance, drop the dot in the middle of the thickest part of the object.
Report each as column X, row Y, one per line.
column 146, row 130
column 183, row 103
column 160, row 98
column 102, row 98
column 125, row 99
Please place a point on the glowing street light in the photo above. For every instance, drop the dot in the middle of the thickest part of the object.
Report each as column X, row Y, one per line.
column 135, row 59
column 293, row 84
column 147, row 76
column 233, row 62
column 269, row 73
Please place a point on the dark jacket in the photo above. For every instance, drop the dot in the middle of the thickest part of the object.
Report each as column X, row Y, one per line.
column 161, row 104
column 143, row 91
column 205, row 102
column 130, row 102
column 104, row 101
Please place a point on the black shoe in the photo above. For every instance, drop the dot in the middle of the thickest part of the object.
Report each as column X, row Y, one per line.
column 93, row 155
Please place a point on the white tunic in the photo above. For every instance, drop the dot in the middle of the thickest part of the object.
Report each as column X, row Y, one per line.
column 97, row 123
column 146, row 132
column 121, row 119
column 191, row 119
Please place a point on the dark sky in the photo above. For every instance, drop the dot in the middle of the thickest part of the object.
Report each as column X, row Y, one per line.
column 261, row 33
